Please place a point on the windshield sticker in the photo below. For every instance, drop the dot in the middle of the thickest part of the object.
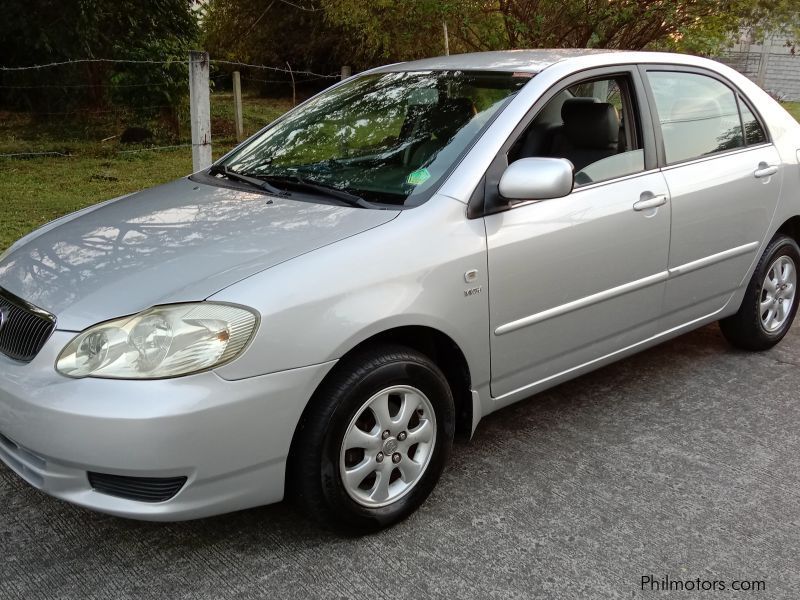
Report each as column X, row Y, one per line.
column 418, row 177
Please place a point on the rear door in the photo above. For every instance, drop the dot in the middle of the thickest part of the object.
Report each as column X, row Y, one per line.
column 724, row 179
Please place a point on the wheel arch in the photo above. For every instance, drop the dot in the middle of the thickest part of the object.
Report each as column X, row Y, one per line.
column 441, row 349
column 448, row 356
column 791, row 227
column 435, row 344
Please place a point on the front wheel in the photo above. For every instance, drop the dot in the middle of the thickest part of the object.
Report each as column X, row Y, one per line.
column 374, row 440
column 770, row 302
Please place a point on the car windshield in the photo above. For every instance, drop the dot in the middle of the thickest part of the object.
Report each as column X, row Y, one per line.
column 387, row 138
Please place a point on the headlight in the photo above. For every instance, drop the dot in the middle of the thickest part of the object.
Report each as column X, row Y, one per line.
column 165, row 341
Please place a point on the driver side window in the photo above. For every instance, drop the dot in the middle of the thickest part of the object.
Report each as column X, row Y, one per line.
column 594, row 125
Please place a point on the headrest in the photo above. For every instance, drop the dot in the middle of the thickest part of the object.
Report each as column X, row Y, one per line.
column 590, row 124
column 450, row 115
column 569, row 103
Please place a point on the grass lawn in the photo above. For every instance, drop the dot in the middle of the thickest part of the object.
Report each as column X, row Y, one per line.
column 34, row 191
column 793, row 108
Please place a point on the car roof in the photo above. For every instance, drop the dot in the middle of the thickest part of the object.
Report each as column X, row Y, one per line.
column 528, row 61
column 535, row 61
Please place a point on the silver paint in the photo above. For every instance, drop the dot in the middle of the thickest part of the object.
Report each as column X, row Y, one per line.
column 537, row 179
column 367, row 481
column 177, row 242
column 570, row 285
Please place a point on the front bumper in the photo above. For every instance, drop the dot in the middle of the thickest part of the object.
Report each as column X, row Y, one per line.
column 230, row 439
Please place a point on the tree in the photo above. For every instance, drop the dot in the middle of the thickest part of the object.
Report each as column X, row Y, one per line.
column 271, row 32
column 386, row 30
column 412, row 28
column 155, row 30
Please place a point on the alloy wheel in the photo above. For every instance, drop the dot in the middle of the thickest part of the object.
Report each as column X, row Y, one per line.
column 387, row 446
column 777, row 294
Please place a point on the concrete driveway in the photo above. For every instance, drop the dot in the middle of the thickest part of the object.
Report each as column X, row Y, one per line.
column 683, row 461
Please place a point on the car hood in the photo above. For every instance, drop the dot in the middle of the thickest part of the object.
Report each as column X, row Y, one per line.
column 178, row 242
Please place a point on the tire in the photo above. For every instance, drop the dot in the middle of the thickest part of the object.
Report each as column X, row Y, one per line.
column 325, row 446
column 753, row 329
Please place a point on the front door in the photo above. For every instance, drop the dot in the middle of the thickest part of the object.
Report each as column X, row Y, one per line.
column 574, row 279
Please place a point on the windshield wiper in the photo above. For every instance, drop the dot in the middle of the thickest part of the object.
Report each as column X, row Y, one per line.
column 254, row 181
column 322, row 188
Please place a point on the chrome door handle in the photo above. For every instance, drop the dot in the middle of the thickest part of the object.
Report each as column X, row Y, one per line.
column 765, row 170
column 652, row 202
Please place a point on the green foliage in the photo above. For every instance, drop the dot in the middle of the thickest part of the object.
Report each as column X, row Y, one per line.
column 270, row 32
column 385, row 30
column 78, row 29
column 781, row 17
column 413, row 28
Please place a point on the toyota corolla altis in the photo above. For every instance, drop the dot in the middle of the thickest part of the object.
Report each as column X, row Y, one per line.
column 320, row 312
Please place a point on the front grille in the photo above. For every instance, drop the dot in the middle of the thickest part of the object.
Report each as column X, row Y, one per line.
column 142, row 489
column 24, row 328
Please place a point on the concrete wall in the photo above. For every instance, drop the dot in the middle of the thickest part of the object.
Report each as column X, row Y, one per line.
column 771, row 65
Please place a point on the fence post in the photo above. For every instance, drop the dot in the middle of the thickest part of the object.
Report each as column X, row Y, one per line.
column 761, row 77
column 200, row 110
column 237, row 106
column 294, row 88
column 346, row 72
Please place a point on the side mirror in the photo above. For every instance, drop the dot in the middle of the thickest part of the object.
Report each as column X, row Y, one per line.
column 537, row 179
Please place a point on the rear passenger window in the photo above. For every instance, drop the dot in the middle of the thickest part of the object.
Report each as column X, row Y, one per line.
column 753, row 130
column 698, row 115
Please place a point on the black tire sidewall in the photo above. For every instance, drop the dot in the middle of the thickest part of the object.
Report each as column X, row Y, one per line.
column 430, row 381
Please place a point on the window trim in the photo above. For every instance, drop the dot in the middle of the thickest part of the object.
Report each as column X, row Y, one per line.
column 592, row 186
column 645, row 69
column 486, row 200
column 716, row 155
column 742, row 100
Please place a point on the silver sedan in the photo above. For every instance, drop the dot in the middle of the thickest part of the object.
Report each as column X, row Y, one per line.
column 319, row 313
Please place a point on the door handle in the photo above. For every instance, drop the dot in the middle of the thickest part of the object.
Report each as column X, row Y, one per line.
column 651, row 202
column 765, row 170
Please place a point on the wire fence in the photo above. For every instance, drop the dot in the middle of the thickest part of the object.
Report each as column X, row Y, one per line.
column 135, row 105
column 230, row 63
